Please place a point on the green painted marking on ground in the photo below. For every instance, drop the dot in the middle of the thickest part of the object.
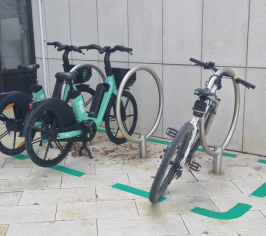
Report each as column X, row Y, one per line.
column 101, row 131
column 158, row 141
column 135, row 191
column 21, row 157
column 261, row 161
column 68, row 170
column 237, row 211
column 260, row 192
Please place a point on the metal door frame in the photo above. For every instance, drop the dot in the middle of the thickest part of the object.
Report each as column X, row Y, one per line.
column 31, row 45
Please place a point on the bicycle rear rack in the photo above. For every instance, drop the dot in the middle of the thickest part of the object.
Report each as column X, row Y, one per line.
column 217, row 152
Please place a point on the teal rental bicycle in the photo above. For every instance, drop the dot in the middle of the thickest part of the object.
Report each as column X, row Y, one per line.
column 55, row 125
column 14, row 106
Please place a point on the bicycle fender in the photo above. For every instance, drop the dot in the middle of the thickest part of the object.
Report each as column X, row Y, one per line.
column 63, row 112
column 20, row 98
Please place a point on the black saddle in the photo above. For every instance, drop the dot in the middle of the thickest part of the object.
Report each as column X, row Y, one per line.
column 28, row 68
column 203, row 92
column 66, row 75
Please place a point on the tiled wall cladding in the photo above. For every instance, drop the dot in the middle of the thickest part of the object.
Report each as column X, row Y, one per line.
column 164, row 35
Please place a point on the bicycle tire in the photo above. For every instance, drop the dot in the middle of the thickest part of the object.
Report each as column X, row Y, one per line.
column 174, row 154
column 35, row 151
column 115, row 136
column 18, row 143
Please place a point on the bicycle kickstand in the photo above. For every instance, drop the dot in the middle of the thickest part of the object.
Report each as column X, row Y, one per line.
column 84, row 146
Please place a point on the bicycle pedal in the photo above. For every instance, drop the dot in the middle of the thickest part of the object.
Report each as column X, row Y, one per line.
column 171, row 132
column 194, row 166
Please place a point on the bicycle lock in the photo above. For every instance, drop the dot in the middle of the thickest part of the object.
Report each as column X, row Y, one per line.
column 142, row 141
column 217, row 152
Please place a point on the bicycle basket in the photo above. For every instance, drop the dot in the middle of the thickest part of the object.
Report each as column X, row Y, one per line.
column 83, row 76
column 119, row 74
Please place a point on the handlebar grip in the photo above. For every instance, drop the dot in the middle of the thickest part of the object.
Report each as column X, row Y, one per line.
column 199, row 62
column 125, row 49
column 245, row 83
column 49, row 43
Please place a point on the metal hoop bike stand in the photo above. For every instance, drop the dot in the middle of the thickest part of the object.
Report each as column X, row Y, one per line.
column 78, row 67
column 142, row 137
column 217, row 152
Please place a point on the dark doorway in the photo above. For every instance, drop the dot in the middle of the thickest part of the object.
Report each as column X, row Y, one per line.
column 16, row 44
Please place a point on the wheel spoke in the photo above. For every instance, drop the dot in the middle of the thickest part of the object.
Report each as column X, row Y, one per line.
column 36, row 140
column 59, row 146
column 116, row 132
column 125, row 126
column 14, row 141
column 130, row 115
column 46, row 151
column 5, row 133
column 88, row 102
column 125, row 107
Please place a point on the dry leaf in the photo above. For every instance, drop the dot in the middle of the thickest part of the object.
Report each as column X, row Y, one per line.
column 200, row 157
column 45, row 176
column 53, row 221
column 152, row 177
column 36, row 203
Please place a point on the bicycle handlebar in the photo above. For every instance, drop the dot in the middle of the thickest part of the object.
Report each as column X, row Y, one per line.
column 55, row 43
column 91, row 46
column 210, row 65
column 115, row 48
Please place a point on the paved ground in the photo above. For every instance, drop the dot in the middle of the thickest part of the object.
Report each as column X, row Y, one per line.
column 38, row 201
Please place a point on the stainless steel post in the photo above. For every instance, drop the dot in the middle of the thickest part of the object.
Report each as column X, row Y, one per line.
column 143, row 146
column 217, row 152
column 217, row 161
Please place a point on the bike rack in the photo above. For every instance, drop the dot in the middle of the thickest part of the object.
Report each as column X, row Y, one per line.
column 78, row 67
column 142, row 137
column 217, row 152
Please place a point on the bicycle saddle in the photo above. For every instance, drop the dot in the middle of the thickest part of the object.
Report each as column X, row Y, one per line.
column 66, row 75
column 28, row 68
column 203, row 92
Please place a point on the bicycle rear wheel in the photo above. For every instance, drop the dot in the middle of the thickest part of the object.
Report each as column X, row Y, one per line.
column 41, row 149
column 87, row 94
column 170, row 165
column 10, row 125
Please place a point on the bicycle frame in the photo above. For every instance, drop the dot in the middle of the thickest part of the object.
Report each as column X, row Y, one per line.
column 79, row 108
column 195, row 120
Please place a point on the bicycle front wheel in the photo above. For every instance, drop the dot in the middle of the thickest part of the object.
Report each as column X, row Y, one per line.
column 170, row 166
column 129, row 115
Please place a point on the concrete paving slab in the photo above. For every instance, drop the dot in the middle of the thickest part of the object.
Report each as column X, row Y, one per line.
column 16, row 163
column 197, row 224
column 174, row 206
column 226, row 202
column 15, row 173
column 94, row 180
column 10, row 199
column 88, row 210
column 24, row 214
column 14, row 185
column 177, row 189
column 248, row 186
column 66, row 228
column 148, row 178
column 126, row 168
column 242, row 173
column 2, row 161
column 106, row 193
column 216, row 234
column 142, row 226
column 3, row 229
column 53, row 196
column 251, row 233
